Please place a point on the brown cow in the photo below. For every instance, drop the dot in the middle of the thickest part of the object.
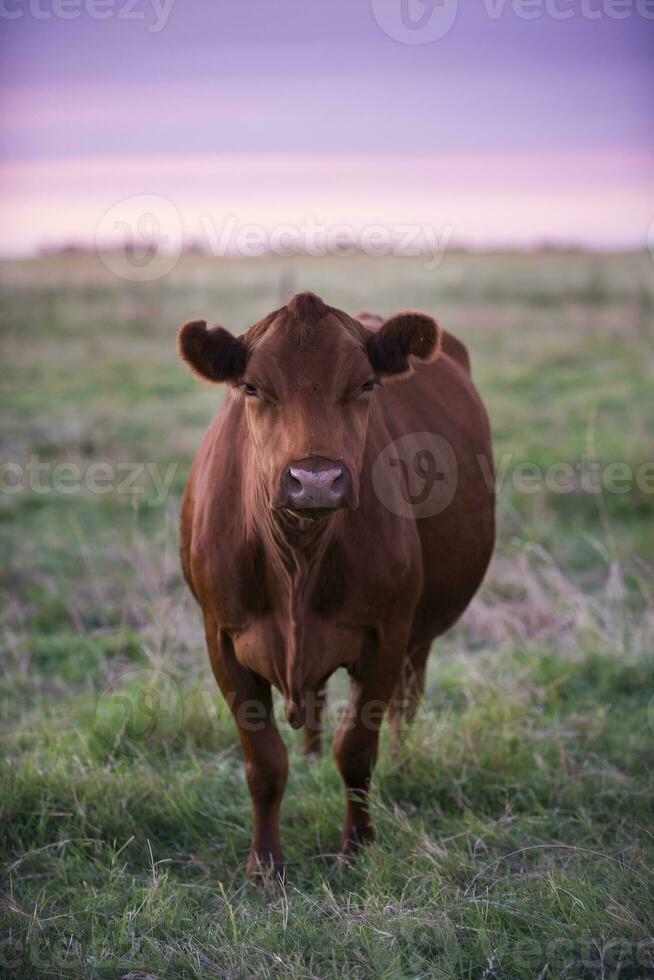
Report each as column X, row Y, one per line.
column 331, row 519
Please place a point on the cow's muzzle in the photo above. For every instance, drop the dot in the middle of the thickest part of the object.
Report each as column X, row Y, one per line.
column 315, row 485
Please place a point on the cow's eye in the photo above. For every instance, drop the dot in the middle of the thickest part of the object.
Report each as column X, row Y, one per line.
column 250, row 391
column 367, row 386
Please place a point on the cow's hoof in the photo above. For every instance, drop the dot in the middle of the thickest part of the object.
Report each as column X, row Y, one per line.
column 354, row 838
column 265, row 872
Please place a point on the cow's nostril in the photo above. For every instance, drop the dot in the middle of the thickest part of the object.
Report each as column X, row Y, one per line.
column 339, row 483
column 294, row 485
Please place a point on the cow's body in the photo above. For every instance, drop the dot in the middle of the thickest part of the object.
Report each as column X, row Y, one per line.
column 286, row 601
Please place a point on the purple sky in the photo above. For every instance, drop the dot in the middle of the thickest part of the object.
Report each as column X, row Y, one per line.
column 553, row 118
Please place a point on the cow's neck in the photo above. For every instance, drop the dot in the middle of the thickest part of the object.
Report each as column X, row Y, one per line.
column 296, row 548
column 305, row 575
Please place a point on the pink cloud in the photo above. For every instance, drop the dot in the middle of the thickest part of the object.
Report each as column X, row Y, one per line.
column 599, row 199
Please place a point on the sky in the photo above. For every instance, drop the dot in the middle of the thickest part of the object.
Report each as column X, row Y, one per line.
column 517, row 122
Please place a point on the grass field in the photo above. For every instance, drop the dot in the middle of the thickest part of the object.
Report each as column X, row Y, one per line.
column 515, row 832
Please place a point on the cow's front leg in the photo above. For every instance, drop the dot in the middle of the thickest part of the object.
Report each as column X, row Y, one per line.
column 266, row 763
column 355, row 746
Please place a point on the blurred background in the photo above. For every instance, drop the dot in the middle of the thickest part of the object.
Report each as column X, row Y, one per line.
column 516, row 123
column 487, row 162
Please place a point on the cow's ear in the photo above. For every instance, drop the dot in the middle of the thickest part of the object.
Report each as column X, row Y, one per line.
column 214, row 355
column 403, row 336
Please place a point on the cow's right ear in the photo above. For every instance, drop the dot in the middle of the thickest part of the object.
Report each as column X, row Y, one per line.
column 214, row 355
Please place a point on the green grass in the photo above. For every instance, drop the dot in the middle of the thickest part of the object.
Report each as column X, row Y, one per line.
column 515, row 833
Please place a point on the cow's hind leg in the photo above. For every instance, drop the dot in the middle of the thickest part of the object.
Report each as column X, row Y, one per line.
column 266, row 764
column 312, row 732
column 408, row 691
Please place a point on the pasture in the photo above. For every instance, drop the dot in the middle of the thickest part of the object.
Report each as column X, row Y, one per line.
column 515, row 832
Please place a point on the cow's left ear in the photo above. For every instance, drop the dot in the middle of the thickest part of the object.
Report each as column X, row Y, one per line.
column 403, row 336
column 214, row 355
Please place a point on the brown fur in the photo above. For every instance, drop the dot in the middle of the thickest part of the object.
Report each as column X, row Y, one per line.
column 331, row 586
column 287, row 600
column 306, row 308
column 251, row 577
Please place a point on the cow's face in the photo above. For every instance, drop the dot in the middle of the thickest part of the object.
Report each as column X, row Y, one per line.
column 307, row 376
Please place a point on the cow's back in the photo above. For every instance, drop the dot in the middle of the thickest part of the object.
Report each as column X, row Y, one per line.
column 456, row 541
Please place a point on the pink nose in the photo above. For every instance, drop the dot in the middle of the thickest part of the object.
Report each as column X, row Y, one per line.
column 314, row 484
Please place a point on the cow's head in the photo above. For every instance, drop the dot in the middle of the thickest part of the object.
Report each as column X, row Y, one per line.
column 307, row 375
